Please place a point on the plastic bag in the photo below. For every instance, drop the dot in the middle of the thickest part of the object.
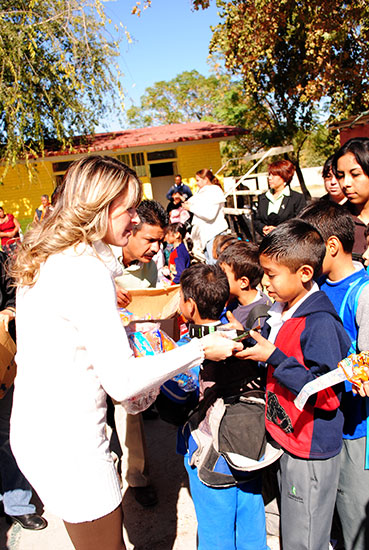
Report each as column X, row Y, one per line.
column 146, row 339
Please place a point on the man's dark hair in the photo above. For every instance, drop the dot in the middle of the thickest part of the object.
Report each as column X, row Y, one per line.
column 331, row 219
column 243, row 258
column 295, row 243
column 152, row 213
column 208, row 287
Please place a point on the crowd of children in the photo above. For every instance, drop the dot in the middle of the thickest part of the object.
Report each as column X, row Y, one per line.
column 321, row 296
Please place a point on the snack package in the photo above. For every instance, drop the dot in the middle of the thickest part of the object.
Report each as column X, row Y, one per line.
column 354, row 366
column 146, row 339
column 125, row 316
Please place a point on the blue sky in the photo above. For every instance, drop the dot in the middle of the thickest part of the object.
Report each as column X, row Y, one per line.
column 168, row 38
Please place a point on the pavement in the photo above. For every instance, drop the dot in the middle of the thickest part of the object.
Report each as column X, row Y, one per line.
column 171, row 525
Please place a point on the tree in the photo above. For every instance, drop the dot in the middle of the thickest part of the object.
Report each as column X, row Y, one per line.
column 191, row 96
column 57, row 69
column 188, row 97
column 292, row 55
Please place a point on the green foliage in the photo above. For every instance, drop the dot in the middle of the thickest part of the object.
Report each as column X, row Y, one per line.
column 56, row 70
column 293, row 54
column 188, row 97
column 320, row 144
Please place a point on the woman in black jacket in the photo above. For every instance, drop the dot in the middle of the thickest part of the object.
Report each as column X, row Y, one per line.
column 279, row 203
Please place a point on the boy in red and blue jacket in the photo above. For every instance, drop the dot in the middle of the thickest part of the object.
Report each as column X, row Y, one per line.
column 304, row 338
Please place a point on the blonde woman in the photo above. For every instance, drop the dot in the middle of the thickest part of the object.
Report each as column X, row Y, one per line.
column 73, row 351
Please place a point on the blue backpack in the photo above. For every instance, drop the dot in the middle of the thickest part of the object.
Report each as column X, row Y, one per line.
column 179, row 395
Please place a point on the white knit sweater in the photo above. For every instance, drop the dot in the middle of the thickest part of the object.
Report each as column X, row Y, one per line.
column 207, row 206
column 72, row 350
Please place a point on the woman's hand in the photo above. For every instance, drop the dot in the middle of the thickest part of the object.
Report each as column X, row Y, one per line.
column 123, row 296
column 261, row 351
column 185, row 205
column 218, row 347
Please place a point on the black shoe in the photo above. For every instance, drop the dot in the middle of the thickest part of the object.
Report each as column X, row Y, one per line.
column 146, row 496
column 34, row 522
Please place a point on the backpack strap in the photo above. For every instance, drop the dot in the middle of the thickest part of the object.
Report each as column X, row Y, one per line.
column 257, row 312
column 358, row 288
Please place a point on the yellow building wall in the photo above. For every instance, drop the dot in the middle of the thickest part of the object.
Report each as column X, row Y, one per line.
column 192, row 158
column 21, row 191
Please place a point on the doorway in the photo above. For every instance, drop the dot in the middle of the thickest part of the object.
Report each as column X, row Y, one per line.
column 162, row 178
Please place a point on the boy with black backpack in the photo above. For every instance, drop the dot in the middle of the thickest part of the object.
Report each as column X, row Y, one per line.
column 240, row 262
column 224, row 440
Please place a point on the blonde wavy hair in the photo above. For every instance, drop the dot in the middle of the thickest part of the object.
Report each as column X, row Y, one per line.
column 80, row 214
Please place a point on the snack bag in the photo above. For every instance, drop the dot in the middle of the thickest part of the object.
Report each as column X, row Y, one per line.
column 125, row 316
column 146, row 339
column 354, row 366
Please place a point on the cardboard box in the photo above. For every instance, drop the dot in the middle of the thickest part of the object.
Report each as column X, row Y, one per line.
column 158, row 305
column 8, row 367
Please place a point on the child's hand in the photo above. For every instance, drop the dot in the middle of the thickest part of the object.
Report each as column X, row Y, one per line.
column 261, row 351
column 233, row 323
column 218, row 347
column 363, row 390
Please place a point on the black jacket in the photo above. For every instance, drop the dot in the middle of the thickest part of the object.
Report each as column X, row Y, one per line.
column 290, row 207
column 7, row 290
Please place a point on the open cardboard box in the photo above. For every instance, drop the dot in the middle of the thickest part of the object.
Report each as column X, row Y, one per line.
column 158, row 305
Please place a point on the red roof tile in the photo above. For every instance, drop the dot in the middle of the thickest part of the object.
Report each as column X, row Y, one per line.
column 143, row 137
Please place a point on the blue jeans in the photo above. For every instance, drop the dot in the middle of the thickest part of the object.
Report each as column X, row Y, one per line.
column 16, row 491
column 231, row 518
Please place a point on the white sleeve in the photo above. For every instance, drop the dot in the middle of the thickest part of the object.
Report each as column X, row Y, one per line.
column 94, row 313
column 207, row 205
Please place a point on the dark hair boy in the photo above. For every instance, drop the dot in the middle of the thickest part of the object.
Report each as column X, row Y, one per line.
column 240, row 262
column 205, row 290
column 305, row 339
column 230, row 513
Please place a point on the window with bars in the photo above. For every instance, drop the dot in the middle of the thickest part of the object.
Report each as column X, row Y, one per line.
column 135, row 161
column 125, row 158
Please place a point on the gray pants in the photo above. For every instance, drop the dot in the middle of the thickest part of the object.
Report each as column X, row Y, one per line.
column 308, row 494
column 353, row 495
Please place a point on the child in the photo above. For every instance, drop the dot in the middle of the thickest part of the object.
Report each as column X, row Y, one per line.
column 305, row 339
column 230, row 516
column 222, row 241
column 179, row 258
column 240, row 262
column 348, row 290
